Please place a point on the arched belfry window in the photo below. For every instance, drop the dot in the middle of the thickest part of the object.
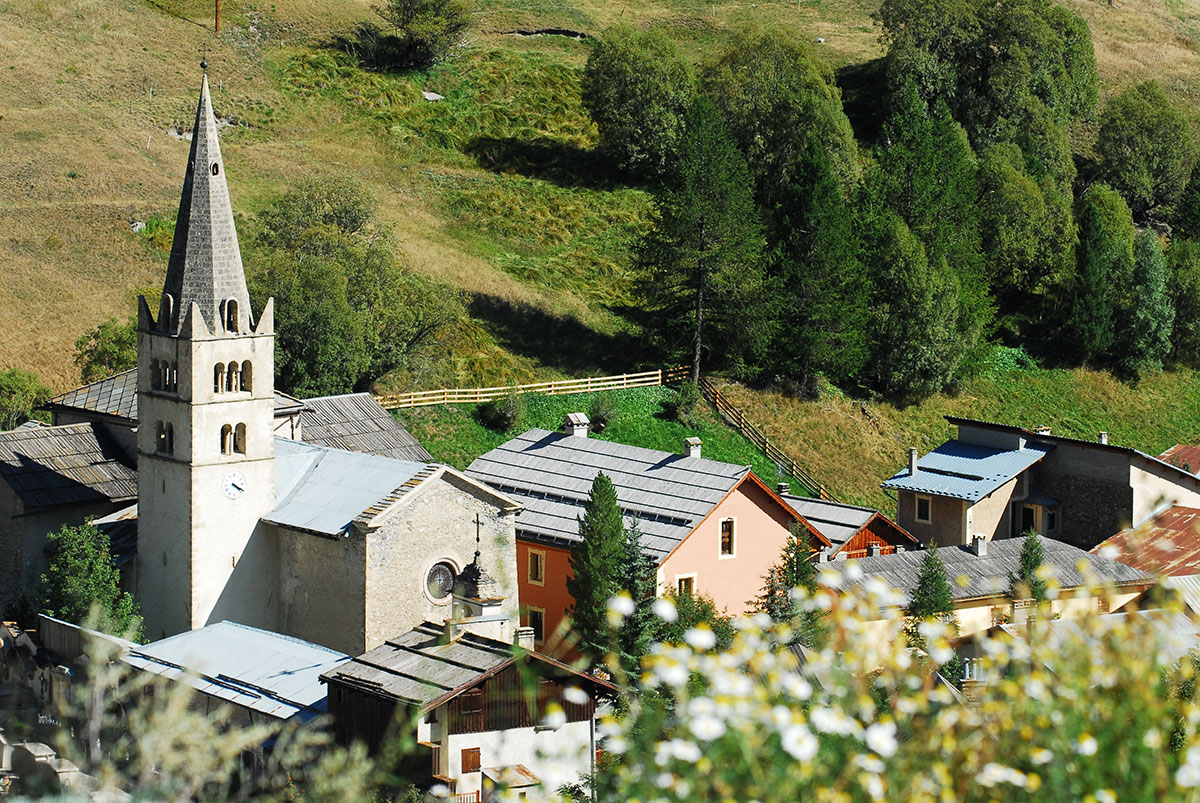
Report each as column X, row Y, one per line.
column 218, row 377
column 231, row 315
column 239, row 439
column 160, row 437
column 170, row 439
column 172, row 378
column 166, row 310
column 226, row 439
column 232, row 382
column 155, row 375
column 247, row 376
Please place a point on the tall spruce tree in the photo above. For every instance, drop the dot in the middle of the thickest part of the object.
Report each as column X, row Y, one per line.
column 932, row 600
column 637, row 578
column 597, row 565
column 703, row 259
column 1184, row 259
column 1026, row 584
column 1147, row 319
column 1105, row 264
column 794, row 570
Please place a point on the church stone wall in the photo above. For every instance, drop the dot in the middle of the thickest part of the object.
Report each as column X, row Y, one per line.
column 438, row 524
column 321, row 589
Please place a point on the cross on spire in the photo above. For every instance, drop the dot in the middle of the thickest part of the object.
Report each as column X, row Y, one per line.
column 203, row 51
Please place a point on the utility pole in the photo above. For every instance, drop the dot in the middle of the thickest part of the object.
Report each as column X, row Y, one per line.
column 217, row 27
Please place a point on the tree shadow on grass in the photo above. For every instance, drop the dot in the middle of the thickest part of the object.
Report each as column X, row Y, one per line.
column 548, row 159
column 560, row 341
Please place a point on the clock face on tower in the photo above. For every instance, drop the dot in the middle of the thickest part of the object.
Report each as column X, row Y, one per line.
column 234, row 484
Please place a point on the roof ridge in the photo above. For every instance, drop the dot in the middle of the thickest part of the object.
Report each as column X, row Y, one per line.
column 86, row 385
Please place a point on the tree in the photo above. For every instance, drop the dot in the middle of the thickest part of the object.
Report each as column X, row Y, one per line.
column 1105, row 264
column 695, row 610
column 795, row 570
column 1145, row 149
column 427, row 31
column 82, row 575
column 1184, row 288
column 638, row 578
column 780, row 99
column 932, row 601
column 597, row 563
column 1187, row 211
column 1147, row 320
column 637, row 87
column 917, row 348
column 21, row 393
column 1026, row 584
column 926, row 44
column 702, row 260
column 108, row 349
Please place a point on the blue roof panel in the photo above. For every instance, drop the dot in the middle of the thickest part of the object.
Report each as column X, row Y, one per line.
column 966, row 470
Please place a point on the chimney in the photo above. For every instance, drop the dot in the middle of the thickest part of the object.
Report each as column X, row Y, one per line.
column 1102, row 438
column 979, row 545
column 873, row 550
column 577, row 425
column 452, row 631
column 824, row 555
column 900, row 549
column 783, row 488
column 1042, row 430
column 693, row 446
column 524, row 638
column 912, row 462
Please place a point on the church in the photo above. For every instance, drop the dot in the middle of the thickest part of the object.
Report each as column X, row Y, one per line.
column 236, row 517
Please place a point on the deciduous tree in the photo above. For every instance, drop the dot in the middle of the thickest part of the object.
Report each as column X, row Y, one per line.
column 1184, row 288
column 425, row 31
column 82, row 575
column 21, row 393
column 1144, row 337
column 108, row 349
column 1105, row 264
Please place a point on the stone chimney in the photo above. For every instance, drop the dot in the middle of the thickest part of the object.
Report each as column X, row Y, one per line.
column 524, row 638
column 979, row 543
column 873, row 550
column 693, row 446
column 576, row 424
column 1102, row 438
column 912, row 462
column 1042, row 430
column 783, row 488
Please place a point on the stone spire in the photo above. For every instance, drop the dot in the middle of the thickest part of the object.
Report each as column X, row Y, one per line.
column 205, row 267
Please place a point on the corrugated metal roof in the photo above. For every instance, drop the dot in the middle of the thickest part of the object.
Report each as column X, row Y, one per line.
column 1188, row 588
column 323, row 490
column 973, row 576
column 1167, row 544
column 357, row 422
column 551, row 474
column 65, row 465
column 267, row 672
column 962, row 470
column 117, row 396
column 836, row 521
column 1184, row 456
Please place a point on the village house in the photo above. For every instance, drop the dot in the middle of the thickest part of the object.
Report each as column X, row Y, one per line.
column 852, row 531
column 1000, row 481
column 979, row 582
column 713, row 528
column 484, row 712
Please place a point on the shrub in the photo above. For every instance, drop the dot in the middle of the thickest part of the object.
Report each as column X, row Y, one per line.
column 602, row 411
column 21, row 393
column 428, row 31
column 503, row 414
column 684, row 403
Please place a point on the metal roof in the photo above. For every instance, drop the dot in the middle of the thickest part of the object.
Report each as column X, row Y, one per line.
column 1183, row 456
column 324, row 490
column 121, row 529
column 422, row 668
column 1187, row 586
column 65, row 465
column 357, row 422
column 962, row 470
column 1167, row 544
column 267, row 672
column 836, row 521
column 973, row 576
column 1176, row 634
column 551, row 474
column 116, row 396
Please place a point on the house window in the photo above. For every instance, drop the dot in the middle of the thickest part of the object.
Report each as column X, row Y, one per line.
column 232, row 382
column 155, row 376
column 537, row 567
column 160, row 437
column 537, row 620
column 1051, row 520
column 439, row 582
column 727, row 543
column 170, row 435
column 231, row 316
column 470, row 760
column 685, row 586
column 924, row 514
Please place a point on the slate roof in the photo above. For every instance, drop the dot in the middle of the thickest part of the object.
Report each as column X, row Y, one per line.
column 116, row 396
column 271, row 673
column 65, row 465
column 323, row 490
column 121, row 529
column 421, row 669
column 973, row 576
column 962, row 470
column 551, row 473
column 1167, row 544
column 1184, row 456
column 357, row 422
column 836, row 521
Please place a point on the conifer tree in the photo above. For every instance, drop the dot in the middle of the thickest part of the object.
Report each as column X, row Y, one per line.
column 1026, row 584
column 597, row 563
column 794, row 570
column 1149, row 316
column 1187, row 211
column 82, row 574
column 1184, row 259
column 1105, row 262
column 703, row 258
column 932, row 600
column 638, row 579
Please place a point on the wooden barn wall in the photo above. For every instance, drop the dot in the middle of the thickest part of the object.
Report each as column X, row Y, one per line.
column 879, row 532
column 512, row 698
column 359, row 716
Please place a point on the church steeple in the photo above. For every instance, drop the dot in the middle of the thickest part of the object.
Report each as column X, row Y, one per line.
column 205, row 266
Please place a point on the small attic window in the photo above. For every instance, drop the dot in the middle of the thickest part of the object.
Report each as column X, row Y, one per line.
column 216, row 169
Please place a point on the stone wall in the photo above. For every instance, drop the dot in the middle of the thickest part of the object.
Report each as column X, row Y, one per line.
column 947, row 518
column 322, row 589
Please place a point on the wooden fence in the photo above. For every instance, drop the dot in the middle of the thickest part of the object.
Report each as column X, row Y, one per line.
column 561, row 387
column 737, row 419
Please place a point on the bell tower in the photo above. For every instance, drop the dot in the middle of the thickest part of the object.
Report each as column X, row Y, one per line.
column 206, row 447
